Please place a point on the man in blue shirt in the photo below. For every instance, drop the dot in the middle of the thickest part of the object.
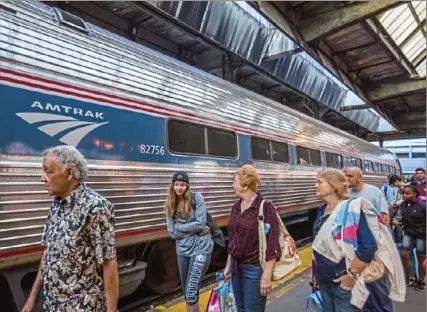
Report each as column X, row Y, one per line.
column 372, row 193
column 392, row 190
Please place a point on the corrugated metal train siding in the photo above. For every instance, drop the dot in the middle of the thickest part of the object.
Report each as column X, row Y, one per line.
column 138, row 195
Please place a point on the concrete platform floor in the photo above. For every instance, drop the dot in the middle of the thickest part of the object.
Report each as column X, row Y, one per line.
column 292, row 295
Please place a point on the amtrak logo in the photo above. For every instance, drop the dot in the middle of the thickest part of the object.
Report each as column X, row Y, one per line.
column 54, row 123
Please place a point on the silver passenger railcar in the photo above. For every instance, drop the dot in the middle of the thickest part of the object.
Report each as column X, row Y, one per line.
column 137, row 116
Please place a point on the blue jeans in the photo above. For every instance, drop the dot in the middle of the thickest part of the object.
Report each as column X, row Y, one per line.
column 336, row 299
column 191, row 271
column 378, row 300
column 247, row 288
column 409, row 242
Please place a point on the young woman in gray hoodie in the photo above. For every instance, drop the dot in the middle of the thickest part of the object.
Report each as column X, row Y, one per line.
column 194, row 244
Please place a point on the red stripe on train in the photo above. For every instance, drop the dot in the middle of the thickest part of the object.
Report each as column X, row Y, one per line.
column 41, row 79
column 19, row 252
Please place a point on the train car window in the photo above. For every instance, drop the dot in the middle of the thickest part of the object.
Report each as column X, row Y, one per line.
column 418, row 155
column 369, row 166
column 330, row 160
column 334, row 160
column 260, row 149
column 280, row 152
column 386, row 169
column 315, row 158
column 303, row 156
column 379, row 167
column 356, row 162
column 393, row 170
column 338, row 161
column 70, row 20
column 221, row 143
column 186, row 138
column 346, row 161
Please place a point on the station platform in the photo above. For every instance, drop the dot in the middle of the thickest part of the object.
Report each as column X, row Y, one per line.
column 297, row 290
column 290, row 293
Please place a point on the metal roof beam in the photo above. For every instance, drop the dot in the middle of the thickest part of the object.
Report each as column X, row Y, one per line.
column 354, row 107
column 360, row 47
column 391, row 45
column 417, row 60
column 417, row 19
column 405, row 125
column 397, row 135
column 397, row 89
column 356, row 69
column 332, row 21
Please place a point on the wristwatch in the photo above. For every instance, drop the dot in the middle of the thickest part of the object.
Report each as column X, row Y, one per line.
column 353, row 273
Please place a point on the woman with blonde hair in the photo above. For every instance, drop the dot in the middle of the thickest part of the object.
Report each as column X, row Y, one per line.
column 186, row 223
column 250, row 282
column 349, row 236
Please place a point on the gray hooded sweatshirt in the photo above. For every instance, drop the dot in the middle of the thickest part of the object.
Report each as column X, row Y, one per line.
column 185, row 231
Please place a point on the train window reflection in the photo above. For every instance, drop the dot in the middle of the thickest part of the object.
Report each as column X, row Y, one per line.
column 315, row 158
column 369, row 166
column 334, row 160
column 280, row 152
column 308, row 156
column 303, row 156
column 356, row 162
column 260, row 149
column 186, row 138
column 387, row 169
column 221, row 143
column 267, row 150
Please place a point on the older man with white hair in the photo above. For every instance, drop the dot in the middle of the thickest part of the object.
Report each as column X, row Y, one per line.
column 78, row 270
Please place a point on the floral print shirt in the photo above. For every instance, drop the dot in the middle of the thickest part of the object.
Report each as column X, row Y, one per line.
column 79, row 236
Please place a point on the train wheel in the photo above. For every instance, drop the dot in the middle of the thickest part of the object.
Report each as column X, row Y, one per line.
column 162, row 274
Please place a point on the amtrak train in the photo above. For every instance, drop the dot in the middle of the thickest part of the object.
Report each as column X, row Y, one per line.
column 137, row 116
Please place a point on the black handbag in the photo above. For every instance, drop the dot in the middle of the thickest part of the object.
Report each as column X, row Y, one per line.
column 216, row 233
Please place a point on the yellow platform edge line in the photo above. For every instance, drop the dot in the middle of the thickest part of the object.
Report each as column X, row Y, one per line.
column 306, row 261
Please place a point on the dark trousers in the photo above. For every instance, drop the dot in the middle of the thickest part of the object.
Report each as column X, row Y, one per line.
column 191, row 271
column 378, row 300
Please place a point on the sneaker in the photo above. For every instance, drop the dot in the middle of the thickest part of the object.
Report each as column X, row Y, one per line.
column 421, row 285
column 411, row 282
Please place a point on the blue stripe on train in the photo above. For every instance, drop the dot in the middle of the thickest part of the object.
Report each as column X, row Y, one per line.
column 120, row 138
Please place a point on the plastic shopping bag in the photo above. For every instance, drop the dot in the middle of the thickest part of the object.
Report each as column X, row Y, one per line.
column 214, row 303
column 225, row 291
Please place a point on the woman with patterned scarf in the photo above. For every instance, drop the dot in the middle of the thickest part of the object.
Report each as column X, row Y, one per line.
column 352, row 248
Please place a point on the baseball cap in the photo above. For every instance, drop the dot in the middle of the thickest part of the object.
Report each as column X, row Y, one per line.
column 180, row 176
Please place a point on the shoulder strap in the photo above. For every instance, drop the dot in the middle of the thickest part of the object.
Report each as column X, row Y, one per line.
column 261, row 211
column 385, row 190
column 193, row 201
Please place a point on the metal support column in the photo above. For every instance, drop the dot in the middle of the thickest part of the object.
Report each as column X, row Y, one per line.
column 227, row 68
